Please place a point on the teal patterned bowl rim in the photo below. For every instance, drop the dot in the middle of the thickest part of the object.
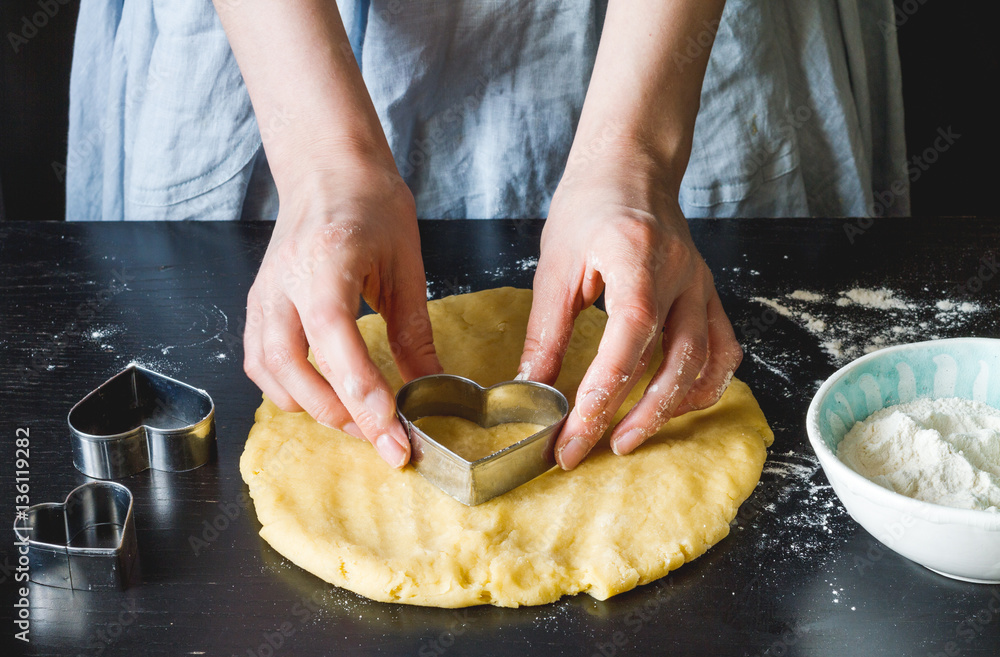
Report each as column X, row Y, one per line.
column 968, row 368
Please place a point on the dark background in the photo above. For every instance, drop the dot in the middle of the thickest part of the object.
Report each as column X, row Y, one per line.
column 795, row 577
column 949, row 51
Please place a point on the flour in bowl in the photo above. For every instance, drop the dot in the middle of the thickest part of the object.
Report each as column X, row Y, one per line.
column 945, row 451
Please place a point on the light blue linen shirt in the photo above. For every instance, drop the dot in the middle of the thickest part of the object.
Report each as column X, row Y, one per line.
column 801, row 110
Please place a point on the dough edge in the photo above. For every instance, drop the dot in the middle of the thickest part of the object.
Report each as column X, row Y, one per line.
column 280, row 444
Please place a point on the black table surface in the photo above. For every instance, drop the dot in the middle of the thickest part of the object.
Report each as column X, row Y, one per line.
column 796, row 575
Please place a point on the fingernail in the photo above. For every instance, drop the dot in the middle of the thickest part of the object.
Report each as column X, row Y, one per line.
column 390, row 450
column 380, row 404
column 628, row 441
column 402, row 438
column 354, row 430
column 592, row 404
column 573, row 452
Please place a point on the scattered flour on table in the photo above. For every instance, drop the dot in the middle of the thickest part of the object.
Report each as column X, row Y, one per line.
column 160, row 365
column 562, row 616
column 796, row 510
column 944, row 451
column 441, row 289
column 804, row 295
column 527, row 264
column 101, row 333
column 504, row 271
column 881, row 298
column 858, row 321
column 774, row 369
column 105, row 336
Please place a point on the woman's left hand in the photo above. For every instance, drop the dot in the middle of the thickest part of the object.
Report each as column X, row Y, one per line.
column 616, row 226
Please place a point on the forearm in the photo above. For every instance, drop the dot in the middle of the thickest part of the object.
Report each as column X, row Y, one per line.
column 646, row 86
column 306, row 88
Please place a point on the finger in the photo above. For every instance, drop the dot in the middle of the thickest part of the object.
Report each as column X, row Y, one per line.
column 254, row 361
column 550, row 326
column 632, row 326
column 285, row 354
column 342, row 355
column 647, row 356
column 408, row 327
column 724, row 356
column 592, row 432
column 685, row 347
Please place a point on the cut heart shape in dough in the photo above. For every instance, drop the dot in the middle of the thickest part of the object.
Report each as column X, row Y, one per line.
column 472, row 441
column 471, row 474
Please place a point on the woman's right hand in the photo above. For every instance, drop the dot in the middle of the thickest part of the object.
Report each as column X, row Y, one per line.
column 343, row 231
column 346, row 227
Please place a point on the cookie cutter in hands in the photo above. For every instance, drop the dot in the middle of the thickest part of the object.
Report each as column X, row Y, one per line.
column 475, row 482
column 86, row 543
column 141, row 419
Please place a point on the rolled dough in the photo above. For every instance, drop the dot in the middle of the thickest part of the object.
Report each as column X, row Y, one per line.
column 329, row 504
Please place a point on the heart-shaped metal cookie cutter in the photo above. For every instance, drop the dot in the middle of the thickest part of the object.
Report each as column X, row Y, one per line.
column 474, row 482
column 86, row 543
column 140, row 419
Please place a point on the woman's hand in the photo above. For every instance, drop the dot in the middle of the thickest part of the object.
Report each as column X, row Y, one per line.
column 615, row 226
column 342, row 233
column 346, row 227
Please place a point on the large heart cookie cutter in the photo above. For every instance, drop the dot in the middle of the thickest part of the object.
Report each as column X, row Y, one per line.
column 86, row 543
column 474, row 482
column 141, row 419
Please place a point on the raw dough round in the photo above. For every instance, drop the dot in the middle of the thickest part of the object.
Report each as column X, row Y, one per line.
column 329, row 504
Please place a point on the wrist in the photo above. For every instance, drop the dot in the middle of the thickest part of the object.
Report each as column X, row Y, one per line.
column 345, row 157
column 620, row 152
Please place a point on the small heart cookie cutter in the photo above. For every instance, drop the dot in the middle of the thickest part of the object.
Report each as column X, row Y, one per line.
column 141, row 419
column 475, row 482
column 86, row 543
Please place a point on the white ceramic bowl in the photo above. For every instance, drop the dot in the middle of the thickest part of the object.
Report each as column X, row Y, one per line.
column 960, row 543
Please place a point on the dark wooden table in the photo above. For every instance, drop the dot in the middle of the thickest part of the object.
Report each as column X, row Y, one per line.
column 795, row 576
